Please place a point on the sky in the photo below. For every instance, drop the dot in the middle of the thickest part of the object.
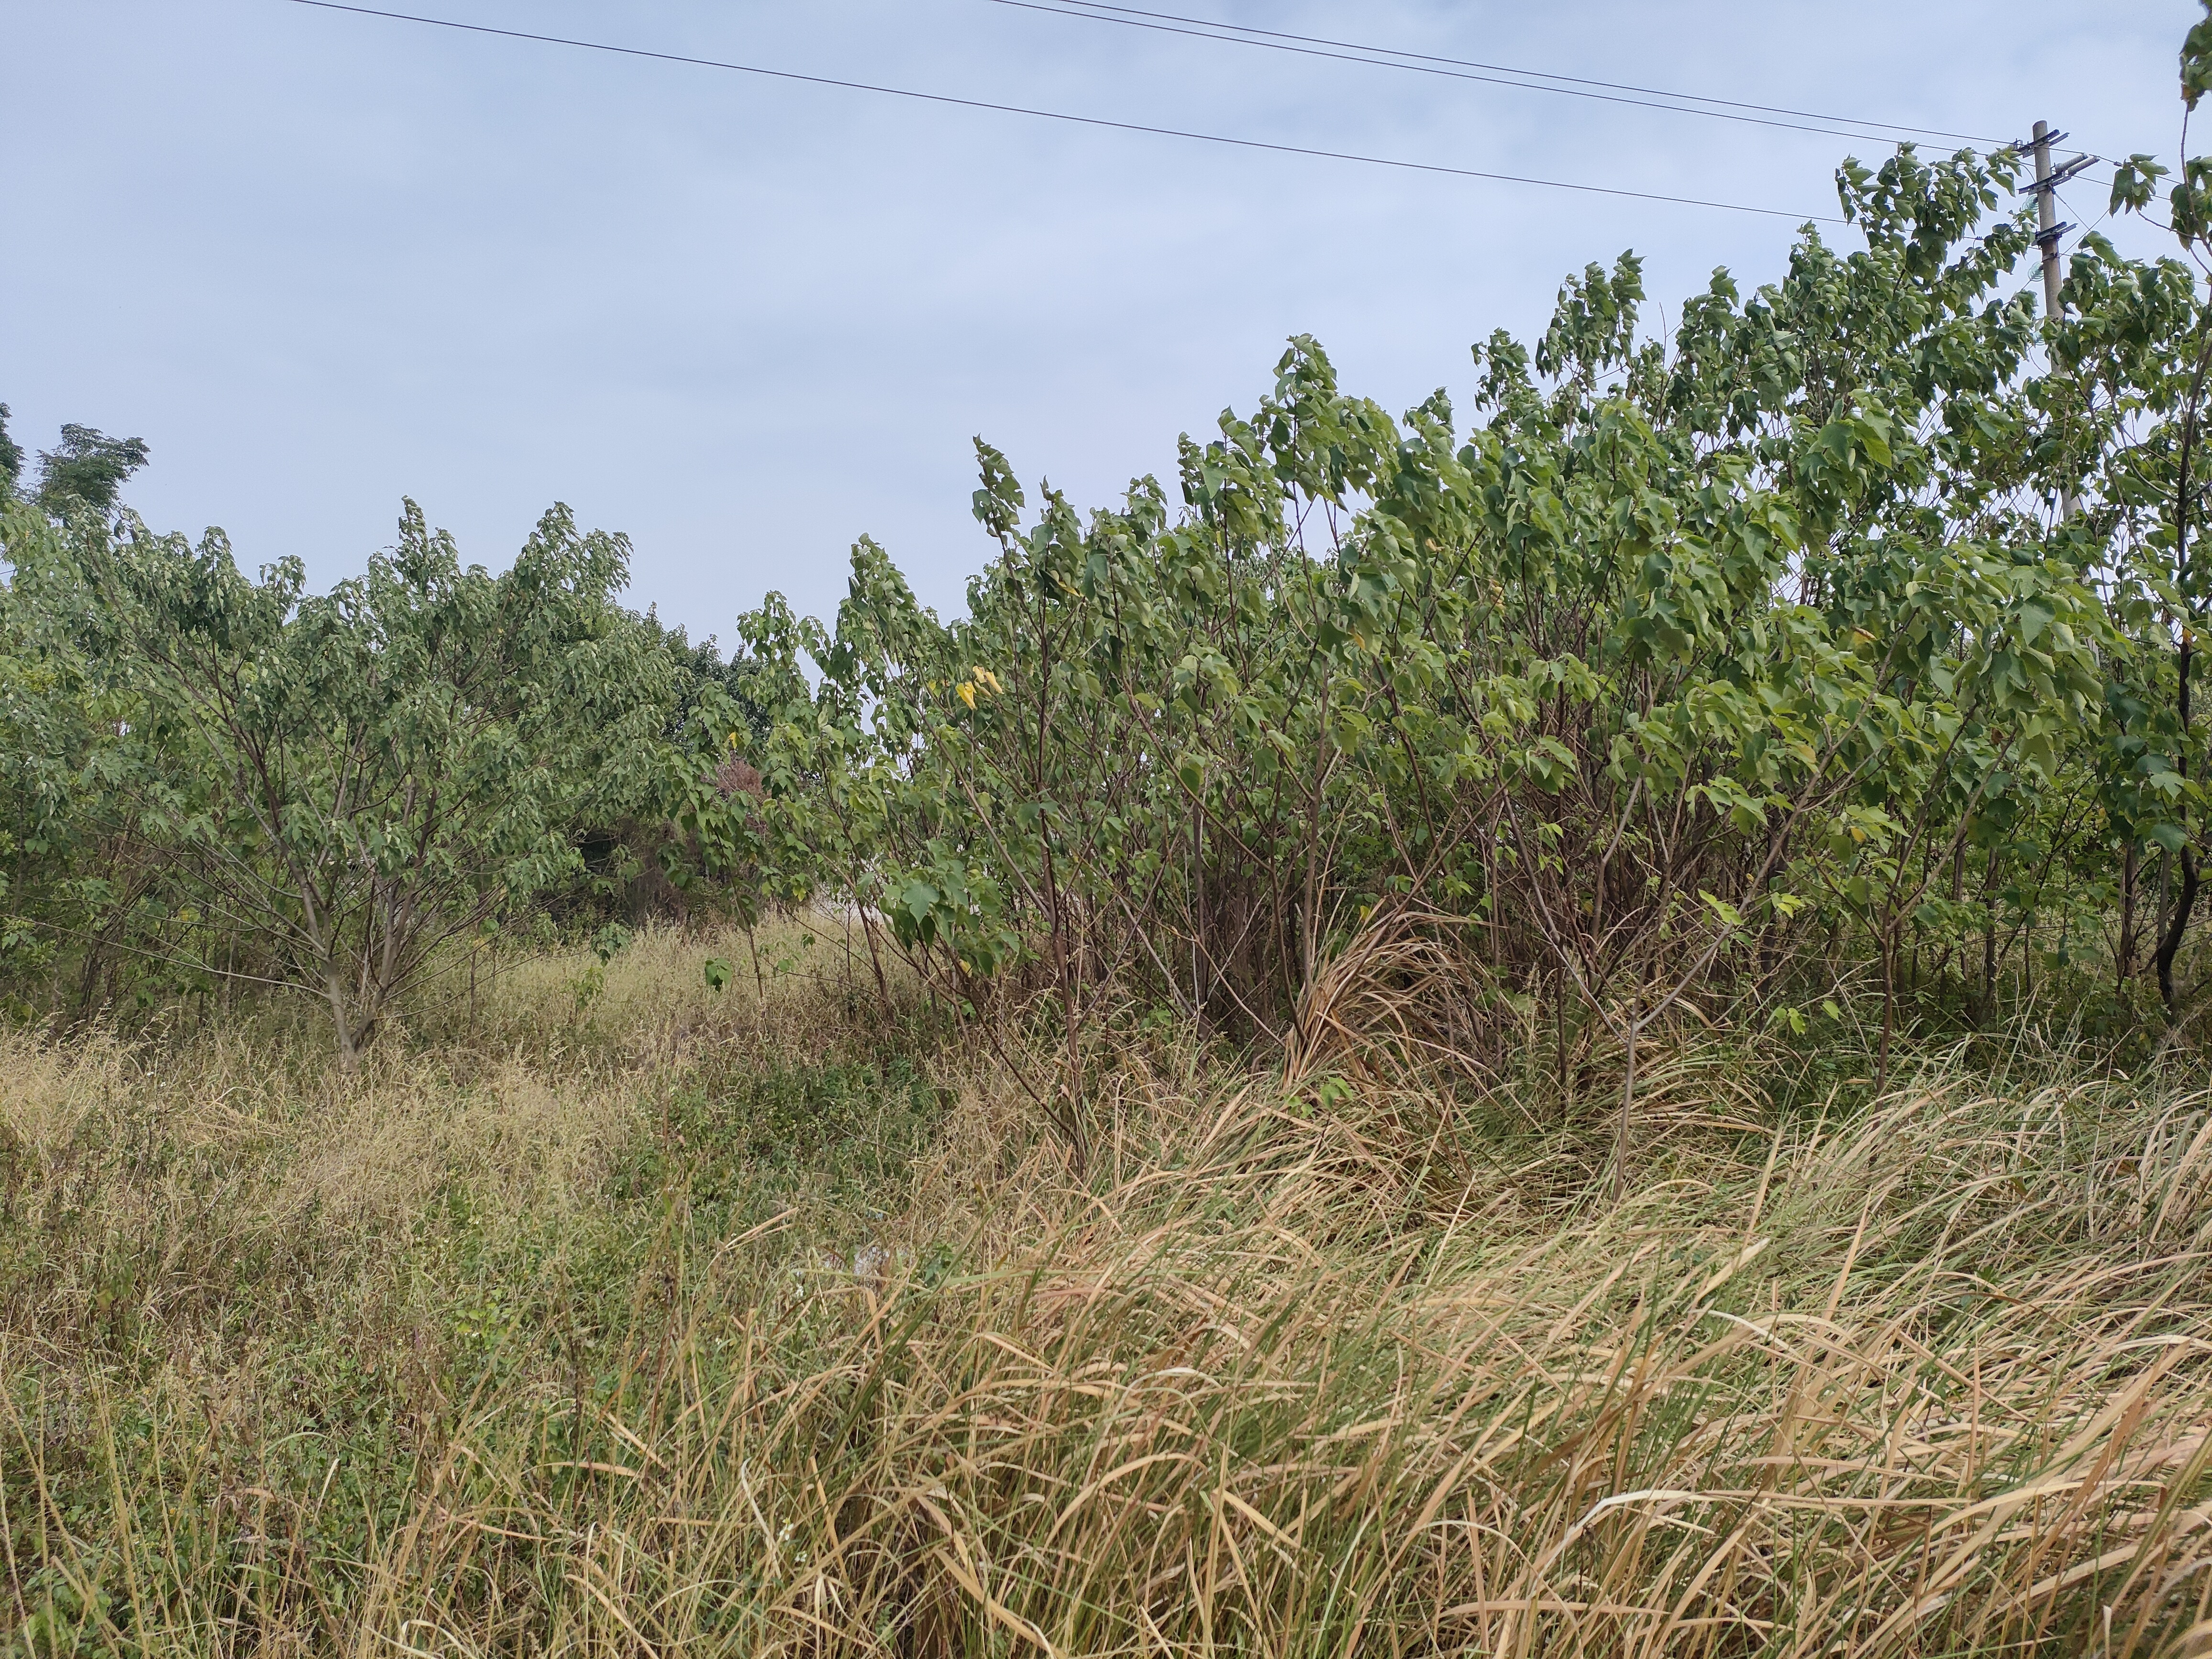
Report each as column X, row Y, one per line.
column 321, row 261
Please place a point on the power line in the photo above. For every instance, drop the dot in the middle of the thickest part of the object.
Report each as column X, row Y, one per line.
column 1091, row 6
column 1458, row 68
column 1062, row 115
column 1097, row 11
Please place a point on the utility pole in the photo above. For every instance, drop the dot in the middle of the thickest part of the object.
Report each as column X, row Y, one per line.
column 2048, row 230
column 2047, row 227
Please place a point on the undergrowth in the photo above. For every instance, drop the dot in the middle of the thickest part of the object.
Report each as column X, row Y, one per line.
column 615, row 1316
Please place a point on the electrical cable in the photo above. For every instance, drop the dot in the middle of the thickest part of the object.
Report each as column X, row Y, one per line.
column 1461, row 69
column 1543, row 74
column 1097, row 11
column 1062, row 115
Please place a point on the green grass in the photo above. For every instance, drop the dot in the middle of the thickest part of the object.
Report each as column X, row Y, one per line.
column 654, row 1321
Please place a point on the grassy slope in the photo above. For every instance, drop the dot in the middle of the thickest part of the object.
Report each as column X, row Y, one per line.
column 638, row 1319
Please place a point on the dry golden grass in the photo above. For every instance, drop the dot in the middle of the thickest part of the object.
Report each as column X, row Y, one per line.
column 616, row 1329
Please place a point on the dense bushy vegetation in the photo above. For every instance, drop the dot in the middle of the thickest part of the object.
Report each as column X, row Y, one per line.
column 213, row 782
column 1843, row 639
column 1732, row 671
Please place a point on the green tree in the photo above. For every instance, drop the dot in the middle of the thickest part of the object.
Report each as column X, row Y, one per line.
column 347, row 782
column 87, row 471
column 11, row 459
column 1693, row 653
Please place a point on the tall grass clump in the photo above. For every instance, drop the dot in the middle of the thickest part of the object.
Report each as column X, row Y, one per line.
column 729, row 1331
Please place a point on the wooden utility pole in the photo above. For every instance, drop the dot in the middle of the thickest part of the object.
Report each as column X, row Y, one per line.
column 2048, row 230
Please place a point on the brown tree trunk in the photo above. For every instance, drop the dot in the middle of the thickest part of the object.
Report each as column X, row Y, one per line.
column 2169, row 946
column 1566, row 1079
column 1627, row 1104
column 1888, row 1007
column 1990, row 939
column 2126, row 965
column 341, row 1017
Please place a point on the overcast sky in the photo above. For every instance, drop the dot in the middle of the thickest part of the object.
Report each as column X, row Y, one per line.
column 320, row 261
